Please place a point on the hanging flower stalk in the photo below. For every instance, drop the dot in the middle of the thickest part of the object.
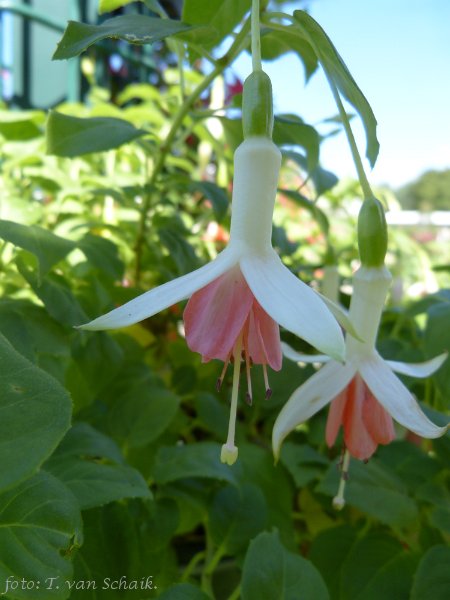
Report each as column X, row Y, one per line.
column 364, row 393
column 238, row 300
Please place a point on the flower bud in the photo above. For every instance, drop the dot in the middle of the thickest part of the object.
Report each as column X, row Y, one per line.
column 257, row 106
column 372, row 233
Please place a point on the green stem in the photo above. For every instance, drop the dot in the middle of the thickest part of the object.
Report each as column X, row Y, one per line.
column 256, row 38
column 192, row 564
column 351, row 140
column 238, row 44
column 236, row 593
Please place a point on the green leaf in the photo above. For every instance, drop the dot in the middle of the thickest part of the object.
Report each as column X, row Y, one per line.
column 134, row 29
column 110, row 5
column 437, row 340
column 183, row 591
column 21, row 125
column 376, row 491
column 92, row 467
column 290, row 130
column 236, row 516
column 377, row 566
column 35, row 415
column 46, row 246
column 40, row 526
column 328, row 553
column 276, row 43
column 432, row 579
column 270, row 571
column 142, row 413
column 221, row 15
column 214, row 193
column 58, row 299
column 72, row 136
column 303, row 462
column 102, row 254
column 317, row 214
column 193, row 460
column 336, row 70
column 323, row 180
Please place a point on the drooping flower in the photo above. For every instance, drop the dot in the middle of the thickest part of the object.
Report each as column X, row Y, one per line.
column 364, row 392
column 238, row 299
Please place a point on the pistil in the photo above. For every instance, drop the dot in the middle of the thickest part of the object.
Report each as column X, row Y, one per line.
column 339, row 500
column 229, row 451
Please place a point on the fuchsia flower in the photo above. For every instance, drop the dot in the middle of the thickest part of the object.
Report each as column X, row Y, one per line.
column 364, row 392
column 238, row 299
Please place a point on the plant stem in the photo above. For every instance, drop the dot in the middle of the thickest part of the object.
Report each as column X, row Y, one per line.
column 236, row 593
column 351, row 140
column 256, row 38
column 221, row 64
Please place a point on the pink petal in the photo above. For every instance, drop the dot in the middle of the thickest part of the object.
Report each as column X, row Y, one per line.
column 335, row 416
column 263, row 338
column 377, row 420
column 215, row 315
column 357, row 438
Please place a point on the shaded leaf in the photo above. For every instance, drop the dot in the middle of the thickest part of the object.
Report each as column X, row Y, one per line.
column 45, row 245
column 432, row 580
column 193, row 460
column 270, row 571
column 92, row 467
column 40, row 526
column 35, row 412
column 237, row 514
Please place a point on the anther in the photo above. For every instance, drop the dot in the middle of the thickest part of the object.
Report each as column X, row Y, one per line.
column 266, row 383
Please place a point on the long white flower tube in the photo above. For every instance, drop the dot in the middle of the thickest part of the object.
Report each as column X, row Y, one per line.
column 365, row 390
column 290, row 302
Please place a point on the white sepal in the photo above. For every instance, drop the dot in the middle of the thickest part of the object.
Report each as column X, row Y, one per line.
column 341, row 315
column 396, row 398
column 163, row 296
column 423, row 369
column 291, row 303
column 299, row 357
column 309, row 398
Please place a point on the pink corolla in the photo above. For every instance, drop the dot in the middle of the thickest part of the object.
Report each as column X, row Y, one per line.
column 365, row 394
column 238, row 300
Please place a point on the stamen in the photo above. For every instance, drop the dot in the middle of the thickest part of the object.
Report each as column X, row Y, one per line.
column 222, row 375
column 266, row 383
column 229, row 451
column 339, row 500
column 249, row 395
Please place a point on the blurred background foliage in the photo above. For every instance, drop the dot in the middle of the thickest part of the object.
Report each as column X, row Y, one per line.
column 134, row 486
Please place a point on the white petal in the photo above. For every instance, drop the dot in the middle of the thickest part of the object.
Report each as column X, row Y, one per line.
column 396, row 398
column 309, row 398
column 159, row 298
column 292, row 354
column 341, row 315
column 423, row 369
column 292, row 303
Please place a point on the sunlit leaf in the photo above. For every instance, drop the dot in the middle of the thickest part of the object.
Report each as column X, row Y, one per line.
column 72, row 136
column 337, row 71
column 134, row 29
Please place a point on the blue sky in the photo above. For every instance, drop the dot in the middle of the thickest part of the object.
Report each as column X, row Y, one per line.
column 399, row 53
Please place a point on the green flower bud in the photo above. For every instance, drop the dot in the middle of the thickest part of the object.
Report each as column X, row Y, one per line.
column 257, row 106
column 372, row 233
